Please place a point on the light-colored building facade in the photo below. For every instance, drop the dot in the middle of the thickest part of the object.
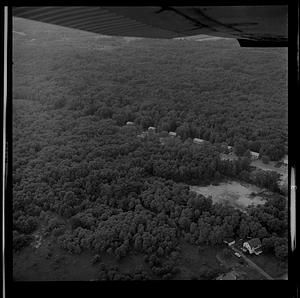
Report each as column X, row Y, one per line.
column 253, row 246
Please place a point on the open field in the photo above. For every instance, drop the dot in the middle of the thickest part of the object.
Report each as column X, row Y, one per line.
column 34, row 264
column 48, row 262
column 199, row 264
column 269, row 264
column 234, row 193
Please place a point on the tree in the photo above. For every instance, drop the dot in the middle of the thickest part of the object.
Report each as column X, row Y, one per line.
column 240, row 147
column 265, row 159
column 268, row 244
column 281, row 251
column 183, row 131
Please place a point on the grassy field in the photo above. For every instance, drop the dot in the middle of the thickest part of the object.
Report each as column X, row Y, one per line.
column 198, row 263
column 269, row 264
column 232, row 192
column 34, row 264
column 48, row 262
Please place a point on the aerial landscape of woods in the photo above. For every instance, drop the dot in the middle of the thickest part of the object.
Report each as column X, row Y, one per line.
column 86, row 185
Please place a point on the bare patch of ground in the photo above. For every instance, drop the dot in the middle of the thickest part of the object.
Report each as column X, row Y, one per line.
column 234, row 193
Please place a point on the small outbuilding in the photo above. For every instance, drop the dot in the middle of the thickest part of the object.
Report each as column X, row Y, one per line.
column 198, row 141
column 229, row 242
column 151, row 129
column 129, row 123
column 172, row 134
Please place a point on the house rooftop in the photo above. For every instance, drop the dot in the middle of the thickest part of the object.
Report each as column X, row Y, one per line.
column 254, row 243
column 198, row 140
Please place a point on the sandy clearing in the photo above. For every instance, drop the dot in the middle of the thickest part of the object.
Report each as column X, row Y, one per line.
column 234, row 193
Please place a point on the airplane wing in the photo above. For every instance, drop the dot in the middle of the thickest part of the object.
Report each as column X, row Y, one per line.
column 252, row 26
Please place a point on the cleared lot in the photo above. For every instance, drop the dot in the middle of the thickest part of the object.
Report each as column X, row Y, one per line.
column 234, row 193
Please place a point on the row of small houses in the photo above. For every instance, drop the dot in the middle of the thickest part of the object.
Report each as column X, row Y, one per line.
column 151, row 129
column 198, row 141
column 173, row 134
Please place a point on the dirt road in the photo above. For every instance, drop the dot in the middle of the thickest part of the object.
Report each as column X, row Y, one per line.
column 252, row 264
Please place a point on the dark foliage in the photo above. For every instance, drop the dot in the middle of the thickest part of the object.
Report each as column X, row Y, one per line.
column 112, row 193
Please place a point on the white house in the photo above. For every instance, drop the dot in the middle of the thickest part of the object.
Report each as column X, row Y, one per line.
column 172, row 134
column 253, row 246
column 151, row 129
column 129, row 123
column 198, row 141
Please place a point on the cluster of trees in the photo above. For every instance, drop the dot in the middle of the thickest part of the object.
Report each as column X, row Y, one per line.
column 241, row 169
column 111, row 192
column 114, row 273
column 211, row 97
column 94, row 186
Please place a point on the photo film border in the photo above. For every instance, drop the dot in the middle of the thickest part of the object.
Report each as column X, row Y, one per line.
column 116, row 285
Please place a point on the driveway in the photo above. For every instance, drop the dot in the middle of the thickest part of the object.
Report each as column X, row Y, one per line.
column 252, row 264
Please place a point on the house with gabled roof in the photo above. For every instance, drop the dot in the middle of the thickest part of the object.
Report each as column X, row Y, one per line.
column 253, row 246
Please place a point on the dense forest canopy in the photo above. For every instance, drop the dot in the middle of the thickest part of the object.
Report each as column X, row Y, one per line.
column 81, row 173
column 212, row 90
